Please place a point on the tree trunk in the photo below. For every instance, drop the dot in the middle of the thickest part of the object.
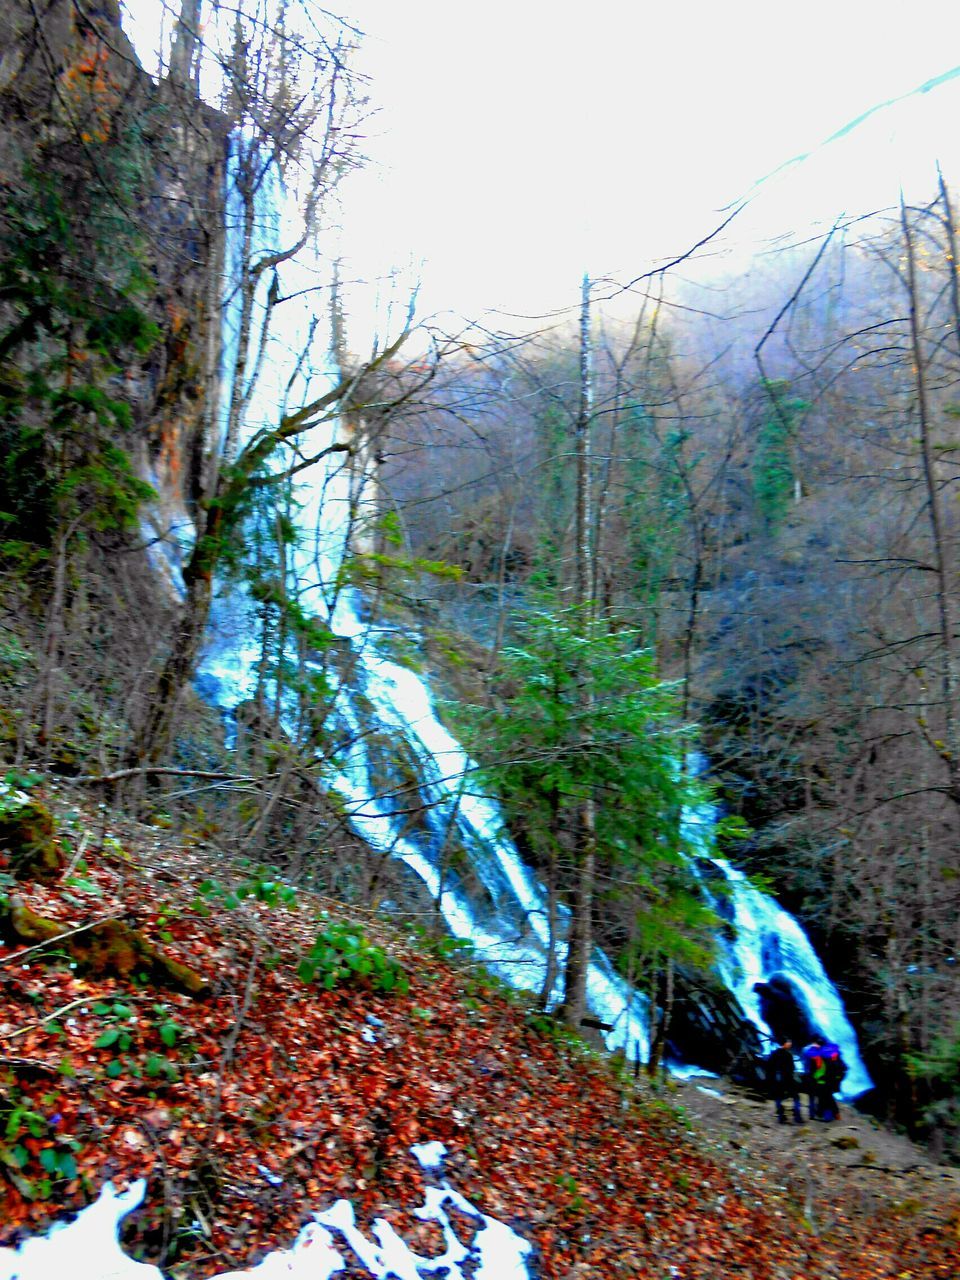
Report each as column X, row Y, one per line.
column 581, row 550
column 550, row 971
column 184, row 62
column 949, row 676
column 580, row 942
column 54, row 636
column 153, row 735
column 659, row 1039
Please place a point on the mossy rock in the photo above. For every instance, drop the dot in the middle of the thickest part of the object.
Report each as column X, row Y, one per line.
column 65, row 757
column 109, row 948
column 395, row 776
column 846, row 1142
column 27, row 836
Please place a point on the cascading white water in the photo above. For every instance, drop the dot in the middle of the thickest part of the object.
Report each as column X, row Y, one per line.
column 507, row 922
column 768, row 944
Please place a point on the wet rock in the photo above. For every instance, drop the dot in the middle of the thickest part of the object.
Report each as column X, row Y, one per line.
column 784, row 1010
column 708, row 1028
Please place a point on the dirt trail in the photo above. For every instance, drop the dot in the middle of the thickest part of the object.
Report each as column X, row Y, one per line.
column 852, row 1166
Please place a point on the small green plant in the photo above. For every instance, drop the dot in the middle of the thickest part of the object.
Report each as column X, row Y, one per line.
column 172, row 1036
column 658, row 1108
column 167, row 913
column 342, row 953
column 13, row 655
column 117, row 1035
column 80, row 878
column 261, row 886
column 126, row 1034
column 12, row 797
column 36, row 1157
column 545, row 1026
column 15, row 779
column 484, row 984
column 443, row 946
column 568, row 1184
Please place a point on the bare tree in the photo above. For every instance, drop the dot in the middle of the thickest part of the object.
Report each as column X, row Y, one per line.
column 293, row 110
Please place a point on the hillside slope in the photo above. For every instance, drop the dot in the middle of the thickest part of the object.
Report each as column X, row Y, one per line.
column 265, row 1097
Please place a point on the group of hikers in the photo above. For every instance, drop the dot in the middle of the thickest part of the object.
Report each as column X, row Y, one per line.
column 822, row 1072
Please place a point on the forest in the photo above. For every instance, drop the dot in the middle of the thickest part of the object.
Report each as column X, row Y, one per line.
column 674, row 547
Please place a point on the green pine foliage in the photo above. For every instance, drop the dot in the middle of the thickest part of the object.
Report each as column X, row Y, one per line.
column 937, row 1072
column 774, row 469
column 583, row 712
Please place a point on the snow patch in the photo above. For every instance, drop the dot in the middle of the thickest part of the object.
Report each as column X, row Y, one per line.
column 429, row 1155
column 87, row 1248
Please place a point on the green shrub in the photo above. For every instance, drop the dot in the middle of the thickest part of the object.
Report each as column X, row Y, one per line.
column 262, row 887
column 342, row 954
column 444, row 946
column 129, row 1035
column 35, row 1156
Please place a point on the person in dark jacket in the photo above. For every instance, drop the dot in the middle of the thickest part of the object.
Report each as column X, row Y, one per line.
column 783, row 1083
column 834, row 1069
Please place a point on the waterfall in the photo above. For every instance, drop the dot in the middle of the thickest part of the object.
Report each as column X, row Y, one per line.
column 768, row 946
column 380, row 698
column 506, row 923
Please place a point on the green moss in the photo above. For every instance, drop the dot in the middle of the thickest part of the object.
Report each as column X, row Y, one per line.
column 108, row 948
column 28, row 926
column 395, row 772
column 27, row 836
column 404, row 650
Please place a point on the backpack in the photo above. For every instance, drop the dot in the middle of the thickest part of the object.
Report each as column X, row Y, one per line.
column 814, row 1063
column 834, row 1066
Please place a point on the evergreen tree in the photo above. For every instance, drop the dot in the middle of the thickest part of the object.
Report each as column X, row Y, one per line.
column 546, row 747
column 776, row 477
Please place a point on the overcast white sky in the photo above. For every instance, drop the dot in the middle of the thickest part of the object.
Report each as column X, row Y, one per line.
column 528, row 140
column 519, row 142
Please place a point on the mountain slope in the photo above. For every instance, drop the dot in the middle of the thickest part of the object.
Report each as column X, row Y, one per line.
column 268, row 1097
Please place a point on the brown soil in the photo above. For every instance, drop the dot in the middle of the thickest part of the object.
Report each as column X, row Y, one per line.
column 852, row 1167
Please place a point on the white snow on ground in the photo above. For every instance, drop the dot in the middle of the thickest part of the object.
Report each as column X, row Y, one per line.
column 87, row 1247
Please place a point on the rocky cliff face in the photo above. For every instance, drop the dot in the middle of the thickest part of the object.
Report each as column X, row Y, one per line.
column 71, row 91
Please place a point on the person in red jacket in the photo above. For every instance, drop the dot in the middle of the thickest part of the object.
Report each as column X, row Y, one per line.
column 811, row 1080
